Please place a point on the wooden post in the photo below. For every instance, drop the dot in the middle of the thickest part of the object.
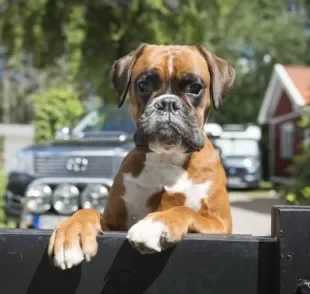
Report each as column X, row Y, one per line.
column 291, row 227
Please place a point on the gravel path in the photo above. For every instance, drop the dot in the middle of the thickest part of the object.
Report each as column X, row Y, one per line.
column 252, row 214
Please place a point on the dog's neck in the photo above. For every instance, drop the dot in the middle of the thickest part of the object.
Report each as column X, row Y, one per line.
column 175, row 156
column 177, row 159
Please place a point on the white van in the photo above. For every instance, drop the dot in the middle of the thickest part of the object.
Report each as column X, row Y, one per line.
column 240, row 152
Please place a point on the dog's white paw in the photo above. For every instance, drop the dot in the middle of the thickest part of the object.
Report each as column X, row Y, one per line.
column 71, row 243
column 149, row 236
column 68, row 257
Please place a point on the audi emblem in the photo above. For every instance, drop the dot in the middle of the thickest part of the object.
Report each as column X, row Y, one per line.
column 77, row 164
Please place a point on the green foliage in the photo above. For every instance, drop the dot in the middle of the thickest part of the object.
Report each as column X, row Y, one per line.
column 16, row 82
column 298, row 192
column 90, row 35
column 54, row 108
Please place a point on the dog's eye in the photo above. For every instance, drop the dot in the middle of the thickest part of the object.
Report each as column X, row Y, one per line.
column 195, row 89
column 144, row 87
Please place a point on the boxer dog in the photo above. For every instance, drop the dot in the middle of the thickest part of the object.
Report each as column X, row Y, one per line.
column 172, row 183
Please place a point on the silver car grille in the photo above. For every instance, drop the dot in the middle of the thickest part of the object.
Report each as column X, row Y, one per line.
column 57, row 166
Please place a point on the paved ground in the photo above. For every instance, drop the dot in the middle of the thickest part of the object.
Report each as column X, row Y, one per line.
column 252, row 214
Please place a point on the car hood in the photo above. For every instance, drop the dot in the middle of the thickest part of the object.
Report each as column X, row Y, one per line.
column 99, row 142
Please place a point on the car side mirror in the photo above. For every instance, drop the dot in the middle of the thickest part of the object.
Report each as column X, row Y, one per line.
column 63, row 133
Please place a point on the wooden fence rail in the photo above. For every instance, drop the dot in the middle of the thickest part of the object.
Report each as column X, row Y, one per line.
column 236, row 264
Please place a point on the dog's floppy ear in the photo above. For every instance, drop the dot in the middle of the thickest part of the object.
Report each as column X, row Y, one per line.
column 222, row 76
column 120, row 74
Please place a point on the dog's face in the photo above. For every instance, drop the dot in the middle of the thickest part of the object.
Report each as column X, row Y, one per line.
column 171, row 89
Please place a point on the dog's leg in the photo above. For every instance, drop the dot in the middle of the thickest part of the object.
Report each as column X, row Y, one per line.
column 160, row 230
column 74, row 239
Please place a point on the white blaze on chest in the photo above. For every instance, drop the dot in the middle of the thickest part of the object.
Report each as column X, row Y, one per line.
column 194, row 193
column 160, row 172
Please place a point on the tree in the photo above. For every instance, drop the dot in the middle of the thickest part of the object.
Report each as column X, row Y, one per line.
column 55, row 107
column 90, row 35
column 17, row 81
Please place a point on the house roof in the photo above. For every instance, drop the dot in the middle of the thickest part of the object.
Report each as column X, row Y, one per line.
column 301, row 78
column 295, row 80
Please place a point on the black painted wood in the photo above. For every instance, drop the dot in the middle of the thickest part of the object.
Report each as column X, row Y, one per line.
column 291, row 225
column 199, row 264
column 303, row 286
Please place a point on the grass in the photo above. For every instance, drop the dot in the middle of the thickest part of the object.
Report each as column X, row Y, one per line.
column 4, row 223
column 2, row 187
column 266, row 186
column 262, row 191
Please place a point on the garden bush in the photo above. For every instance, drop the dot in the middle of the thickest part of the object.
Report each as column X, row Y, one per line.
column 55, row 107
column 298, row 191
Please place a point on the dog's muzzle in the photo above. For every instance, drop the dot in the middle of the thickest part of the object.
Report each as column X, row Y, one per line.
column 168, row 124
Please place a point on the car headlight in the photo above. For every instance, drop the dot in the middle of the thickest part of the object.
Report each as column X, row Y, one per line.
column 66, row 199
column 22, row 161
column 38, row 198
column 251, row 164
column 95, row 196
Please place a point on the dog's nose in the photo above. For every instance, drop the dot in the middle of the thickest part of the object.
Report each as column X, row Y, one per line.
column 168, row 104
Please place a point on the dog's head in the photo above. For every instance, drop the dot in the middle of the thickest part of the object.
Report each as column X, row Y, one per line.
column 171, row 89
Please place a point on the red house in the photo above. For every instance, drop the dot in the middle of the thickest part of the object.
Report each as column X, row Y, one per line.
column 284, row 102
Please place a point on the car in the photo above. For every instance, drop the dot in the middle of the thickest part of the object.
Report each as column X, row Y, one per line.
column 49, row 182
column 240, row 155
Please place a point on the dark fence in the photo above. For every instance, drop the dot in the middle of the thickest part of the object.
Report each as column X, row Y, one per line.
column 236, row 264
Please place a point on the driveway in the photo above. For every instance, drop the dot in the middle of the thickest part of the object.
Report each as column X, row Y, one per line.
column 252, row 213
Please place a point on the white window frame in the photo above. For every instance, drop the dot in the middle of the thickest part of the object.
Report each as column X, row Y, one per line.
column 287, row 142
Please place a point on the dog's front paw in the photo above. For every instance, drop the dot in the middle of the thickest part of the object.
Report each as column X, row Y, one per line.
column 72, row 242
column 148, row 236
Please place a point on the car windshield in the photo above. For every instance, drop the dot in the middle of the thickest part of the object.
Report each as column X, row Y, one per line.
column 238, row 147
column 107, row 118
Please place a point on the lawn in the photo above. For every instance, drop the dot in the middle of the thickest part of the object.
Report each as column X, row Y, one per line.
column 265, row 189
column 3, row 222
column 2, row 186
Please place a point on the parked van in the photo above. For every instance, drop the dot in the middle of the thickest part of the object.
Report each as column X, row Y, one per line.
column 240, row 153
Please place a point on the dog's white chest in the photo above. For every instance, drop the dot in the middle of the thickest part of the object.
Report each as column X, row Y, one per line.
column 160, row 173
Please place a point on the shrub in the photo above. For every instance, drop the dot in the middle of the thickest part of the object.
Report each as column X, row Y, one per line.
column 55, row 107
column 298, row 191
